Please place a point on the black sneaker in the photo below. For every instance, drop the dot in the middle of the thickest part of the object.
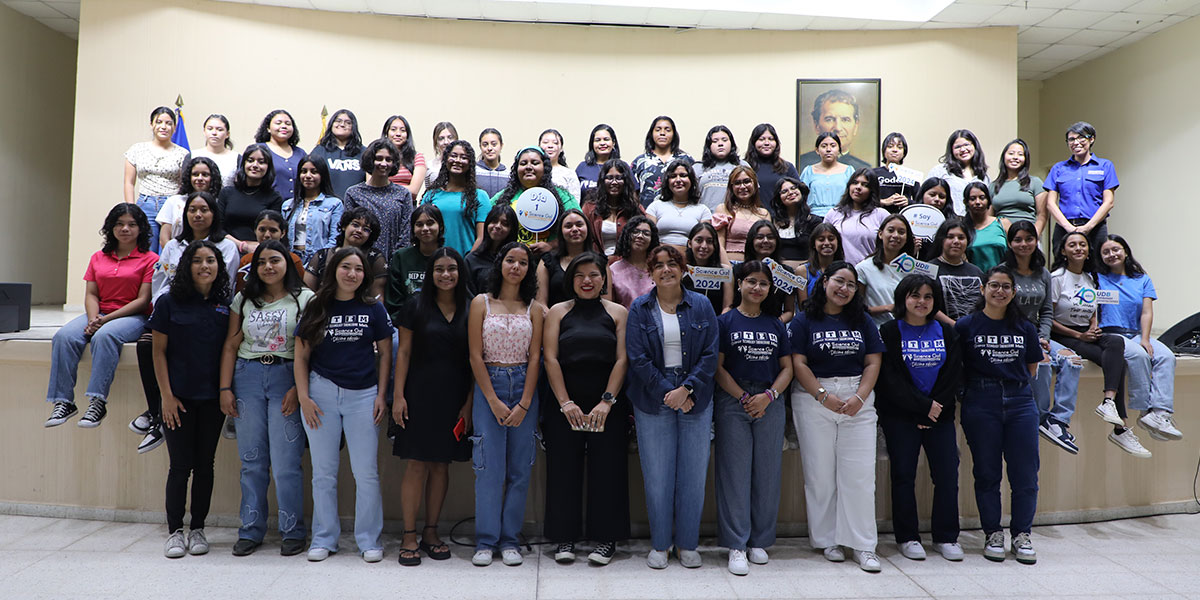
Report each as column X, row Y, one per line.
column 61, row 413
column 565, row 553
column 292, row 547
column 154, row 438
column 1057, row 433
column 603, row 553
column 142, row 424
column 95, row 413
column 245, row 547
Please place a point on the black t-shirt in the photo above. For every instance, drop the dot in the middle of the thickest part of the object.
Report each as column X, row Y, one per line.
column 239, row 209
column 195, row 337
column 960, row 287
column 343, row 166
column 890, row 184
column 793, row 240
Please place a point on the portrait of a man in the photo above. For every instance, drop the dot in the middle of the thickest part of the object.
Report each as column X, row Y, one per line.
column 848, row 109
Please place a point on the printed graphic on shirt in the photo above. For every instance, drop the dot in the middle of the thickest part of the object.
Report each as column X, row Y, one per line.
column 960, row 293
column 1082, row 304
column 754, row 346
column 923, row 354
column 416, row 279
column 347, row 328
column 1000, row 349
column 838, row 342
column 343, row 164
column 266, row 330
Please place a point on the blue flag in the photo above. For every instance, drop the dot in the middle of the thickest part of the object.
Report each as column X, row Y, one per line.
column 180, row 136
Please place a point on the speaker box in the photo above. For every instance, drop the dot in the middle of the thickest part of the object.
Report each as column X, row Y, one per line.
column 1184, row 336
column 14, row 306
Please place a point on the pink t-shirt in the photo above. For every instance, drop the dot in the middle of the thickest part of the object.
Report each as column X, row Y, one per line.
column 858, row 235
column 120, row 279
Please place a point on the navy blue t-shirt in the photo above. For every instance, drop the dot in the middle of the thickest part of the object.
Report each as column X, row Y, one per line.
column 924, row 351
column 997, row 349
column 753, row 347
column 346, row 356
column 834, row 346
column 195, row 337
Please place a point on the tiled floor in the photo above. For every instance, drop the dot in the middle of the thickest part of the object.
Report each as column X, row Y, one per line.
column 1154, row 557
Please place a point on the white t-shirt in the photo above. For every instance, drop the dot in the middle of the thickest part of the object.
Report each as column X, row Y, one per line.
column 171, row 214
column 675, row 223
column 226, row 162
column 1073, row 297
column 881, row 286
column 168, row 263
column 608, row 235
column 565, row 178
column 672, row 340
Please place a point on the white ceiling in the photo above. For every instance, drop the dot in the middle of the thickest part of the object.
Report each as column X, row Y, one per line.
column 1054, row 35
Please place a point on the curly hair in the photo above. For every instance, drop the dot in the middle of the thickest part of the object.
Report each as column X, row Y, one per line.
column 408, row 150
column 316, row 315
column 348, row 217
column 693, row 195
column 329, row 141
column 528, row 287
column 470, row 197
column 776, row 161
column 214, row 179
column 707, row 158
column 263, row 135
column 627, row 204
column 780, row 210
column 855, row 311
column 514, row 187
column 110, row 223
column 625, row 240
column 183, row 287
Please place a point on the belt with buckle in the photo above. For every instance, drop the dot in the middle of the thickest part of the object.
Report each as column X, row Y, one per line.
column 270, row 359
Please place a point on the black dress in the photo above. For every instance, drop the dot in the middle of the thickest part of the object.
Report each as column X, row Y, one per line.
column 555, row 283
column 715, row 297
column 587, row 351
column 795, row 248
column 479, row 264
column 439, row 379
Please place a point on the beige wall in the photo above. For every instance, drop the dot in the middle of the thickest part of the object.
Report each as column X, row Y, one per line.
column 1029, row 95
column 37, row 96
column 1142, row 99
column 245, row 60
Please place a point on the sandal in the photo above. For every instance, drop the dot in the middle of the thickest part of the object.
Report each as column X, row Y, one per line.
column 410, row 557
column 439, row 551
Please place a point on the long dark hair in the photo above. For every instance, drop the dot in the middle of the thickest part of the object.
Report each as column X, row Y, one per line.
column 501, row 211
column 216, row 232
column 470, row 197
column 846, row 205
column 666, row 195
column 183, row 287
column 854, row 311
column 325, row 187
column 624, row 247
column 590, row 243
column 589, row 159
column 224, row 121
column 263, row 135
column 707, row 158
column 1037, row 260
column 348, row 217
column 276, row 216
column 255, row 288
column 110, row 223
column 978, row 162
column 750, row 253
column 514, row 188
column 562, row 155
column 316, row 315
column 427, row 297
column 407, row 150
column 528, row 288
column 911, row 283
column 1012, row 314
column 909, row 243
column 214, row 181
column 627, row 204
column 674, row 134
column 929, row 184
column 433, row 212
column 239, row 176
column 779, row 209
column 821, row 229
column 771, row 305
column 584, row 258
column 987, row 195
column 329, row 141
column 714, row 259
column 1022, row 174
column 776, row 161
column 1133, row 268
column 1060, row 257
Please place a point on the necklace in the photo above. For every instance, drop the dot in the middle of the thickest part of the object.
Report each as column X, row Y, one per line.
column 748, row 315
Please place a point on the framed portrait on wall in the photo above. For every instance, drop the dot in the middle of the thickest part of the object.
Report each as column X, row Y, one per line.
column 846, row 107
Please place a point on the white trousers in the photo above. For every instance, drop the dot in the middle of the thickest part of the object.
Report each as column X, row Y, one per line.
column 838, row 454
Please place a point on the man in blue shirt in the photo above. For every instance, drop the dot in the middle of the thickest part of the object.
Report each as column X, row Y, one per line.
column 1081, row 189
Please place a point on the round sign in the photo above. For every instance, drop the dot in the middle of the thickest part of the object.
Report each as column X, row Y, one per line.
column 537, row 209
column 924, row 219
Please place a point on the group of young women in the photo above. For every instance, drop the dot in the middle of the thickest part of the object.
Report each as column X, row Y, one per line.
column 318, row 318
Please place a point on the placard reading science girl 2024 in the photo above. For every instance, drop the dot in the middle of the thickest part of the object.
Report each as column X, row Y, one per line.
column 537, row 209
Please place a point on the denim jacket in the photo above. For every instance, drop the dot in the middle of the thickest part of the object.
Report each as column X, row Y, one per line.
column 324, row 215
column 644, row 345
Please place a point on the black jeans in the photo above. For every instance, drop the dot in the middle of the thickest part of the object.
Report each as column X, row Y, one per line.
column 904, row 443
column 1109, row 352
column 145, row 356
column 192, row 446
column 1095, row 236
column 605, row 457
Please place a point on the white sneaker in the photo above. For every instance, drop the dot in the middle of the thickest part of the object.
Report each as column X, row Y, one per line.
column 1128, row 442
column 737, row 562
column 511, row 557
column 867, row 561
column 482, row 558
column 834, row 554
column 1022, row 549
column 993, row 548
column 1158, row 424
column 1108, row 411
column 1168, row 420
column 757, row 556
column 197, row 544
column 373, row 556
column 950, row 551
column 689, row 558
column 317, row 554
column 176, row 546
column 912, row 550
column 657, row 559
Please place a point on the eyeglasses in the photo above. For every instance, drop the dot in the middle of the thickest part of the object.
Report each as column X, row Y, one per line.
column 1075, row 141
column 614, row 178
column 343, row 122
column 996, row 285
column 764, row 236
column 642, row 233
column 842, row 282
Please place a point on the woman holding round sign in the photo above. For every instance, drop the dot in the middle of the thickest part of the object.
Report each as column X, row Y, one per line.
column 1075, row 325
column 538, row 202
column 584, row 353
column 858, row 216
column 706, row 274
column 837, row 353
column 881, row 272
column 989, row 243
column 762, row 244
column 754, row 363
column 1017, row 195
column 824, row 248
column 630, row 273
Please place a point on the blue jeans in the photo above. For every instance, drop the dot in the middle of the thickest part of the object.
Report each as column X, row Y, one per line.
column 904, row 443
column 151, row 205
column 749, row 465
column 268, row 442
column 1151, row 380
column 673, row 447
column 1066, row 385
column 503, row 459
column 67, row 349
column 1000, row 421
column 350, row 411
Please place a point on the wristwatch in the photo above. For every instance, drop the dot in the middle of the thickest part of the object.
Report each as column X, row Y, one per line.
column 821, row 393
column 608, row 397
column 690, row 390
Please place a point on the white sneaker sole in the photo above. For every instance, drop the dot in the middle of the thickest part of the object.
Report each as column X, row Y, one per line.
column 1109, row 418
column 1129, row 451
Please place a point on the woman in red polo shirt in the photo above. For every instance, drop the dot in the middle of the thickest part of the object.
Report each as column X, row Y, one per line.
column 117, row 304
